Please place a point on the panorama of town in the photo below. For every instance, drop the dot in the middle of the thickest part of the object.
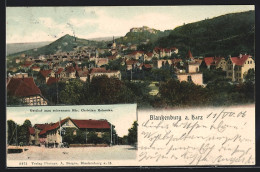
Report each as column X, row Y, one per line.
column 77, row 76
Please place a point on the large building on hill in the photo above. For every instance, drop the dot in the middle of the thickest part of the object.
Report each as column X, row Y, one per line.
column 237, row 67
column 26, row 90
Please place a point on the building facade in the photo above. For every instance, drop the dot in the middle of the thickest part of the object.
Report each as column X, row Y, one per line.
column 237, row 67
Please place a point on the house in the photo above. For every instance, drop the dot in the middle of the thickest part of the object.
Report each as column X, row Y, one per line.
column 82, row 74
column 26, row 90
column 35, row 68
column 159, row 52
column 101, row 61
column 162, row 63
column 215, row 62
column 18, row 60
column 237, row 67
column 36, row 134
column 133, row 47
column 136, row 55
column 146, row 67
column 102, row 71
column 148, row 56
column 53, row 132
column 20, row 75
column 130, row 64
column 52, row 80
column 192, row 73
column 70, row 72
column 44, row 75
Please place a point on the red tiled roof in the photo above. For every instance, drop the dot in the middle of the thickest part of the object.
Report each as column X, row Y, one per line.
column 112, row 57
column 174, row 48
column 130, row 62
column 212, row 60
column 59, row 71
column 45, row 73
column 70, row 69
column 149, row 54
column 42, row 126
column 167, row 50
column 52, row 80
column 22, row 87
column 56, row 125
column 147, row 66
column 239, row 61
column 31, row 131
column 189, row 55
column 82, row 73
column 100, row 124
column 91, row 123
column 135, row 52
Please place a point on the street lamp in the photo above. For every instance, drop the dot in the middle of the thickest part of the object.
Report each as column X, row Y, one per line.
column 114, row 139
column 111, row 135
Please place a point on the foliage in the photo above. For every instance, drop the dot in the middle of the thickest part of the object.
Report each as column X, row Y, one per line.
column 177, row 93
column 250, row 76
column 73, row 135
column 11, row 128
column 50, row 91
column 210, row 75
column 23, row 132
column 12, row 100
column 72, row 94
column 92, row 137
column 116, row 65
column 132, row 134
column 210, row 38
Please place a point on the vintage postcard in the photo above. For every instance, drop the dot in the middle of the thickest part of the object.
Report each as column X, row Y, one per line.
column 130, row 86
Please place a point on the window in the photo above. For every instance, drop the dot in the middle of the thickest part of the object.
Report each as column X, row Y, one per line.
column 250, row 62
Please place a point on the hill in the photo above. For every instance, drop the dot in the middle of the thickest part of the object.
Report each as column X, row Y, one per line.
column 228, row 34
column 18, row 47
column 65, row 43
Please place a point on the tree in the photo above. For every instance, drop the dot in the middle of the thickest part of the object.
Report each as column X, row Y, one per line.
column 23, row 132
column 11, row 134
column 12, row 100
column 72, row 94
column 104, row 90
column 250, row 76
column 106, row 137
column 176, row 93
column 132, row 134
column 92, row 137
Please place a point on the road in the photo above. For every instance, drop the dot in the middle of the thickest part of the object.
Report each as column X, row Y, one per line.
column 119, row 152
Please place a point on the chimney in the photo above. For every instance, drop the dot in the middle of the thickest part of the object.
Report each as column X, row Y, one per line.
column 240, row 55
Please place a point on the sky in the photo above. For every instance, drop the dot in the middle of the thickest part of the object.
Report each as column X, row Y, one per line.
column 122, row 116
column 37, row 24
